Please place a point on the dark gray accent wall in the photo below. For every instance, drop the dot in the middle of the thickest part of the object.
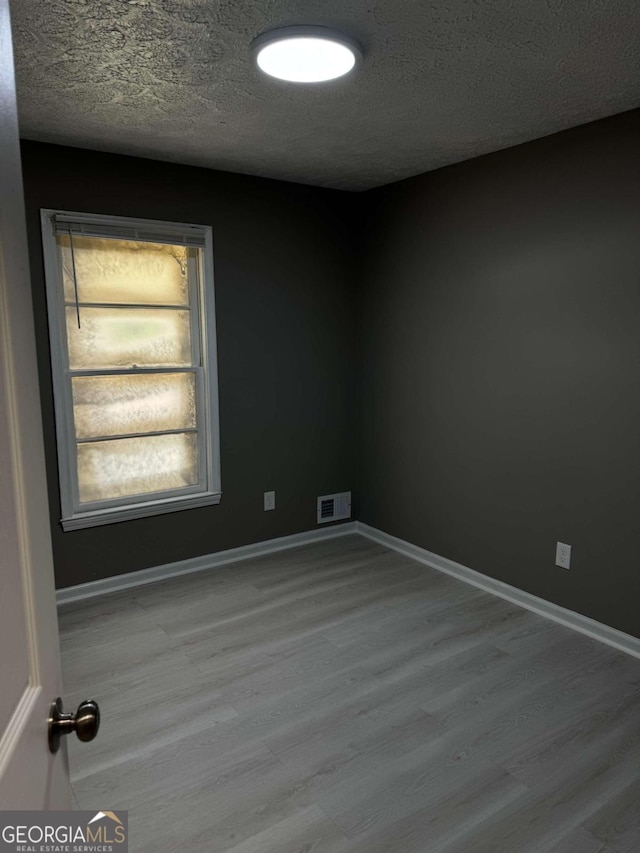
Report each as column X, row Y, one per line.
column 285, row 301
column 499, row 348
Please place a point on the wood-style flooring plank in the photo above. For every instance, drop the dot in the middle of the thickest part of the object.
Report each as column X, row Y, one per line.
column 306, row 831
column 617, row 821
column 580, row 841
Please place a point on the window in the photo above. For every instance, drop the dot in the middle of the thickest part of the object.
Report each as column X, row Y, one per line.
column 132, row 330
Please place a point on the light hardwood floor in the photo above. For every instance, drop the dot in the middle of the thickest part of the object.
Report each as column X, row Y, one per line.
column 340, row 698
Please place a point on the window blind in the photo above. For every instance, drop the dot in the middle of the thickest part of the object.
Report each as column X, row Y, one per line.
column 184, row 235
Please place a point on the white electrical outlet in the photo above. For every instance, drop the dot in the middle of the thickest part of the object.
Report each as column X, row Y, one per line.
column 563, row 555
column 269, row 500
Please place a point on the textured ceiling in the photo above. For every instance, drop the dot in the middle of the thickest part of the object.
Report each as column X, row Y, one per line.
column 442, row 81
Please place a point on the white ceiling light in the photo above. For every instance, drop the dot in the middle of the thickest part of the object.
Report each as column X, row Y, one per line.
column 305, row 54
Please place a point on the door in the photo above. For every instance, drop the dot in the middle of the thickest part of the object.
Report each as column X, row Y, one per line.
column 30, row 776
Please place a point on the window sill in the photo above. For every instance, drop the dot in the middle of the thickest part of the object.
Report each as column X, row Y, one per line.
column 142, row 510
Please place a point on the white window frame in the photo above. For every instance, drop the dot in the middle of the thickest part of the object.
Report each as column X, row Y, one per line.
column 203, row 337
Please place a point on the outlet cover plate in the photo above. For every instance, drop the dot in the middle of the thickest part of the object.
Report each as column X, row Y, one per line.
column 269, row 501
column 563, row 555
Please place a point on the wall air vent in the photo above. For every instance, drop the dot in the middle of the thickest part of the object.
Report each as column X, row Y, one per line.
column 334, row 507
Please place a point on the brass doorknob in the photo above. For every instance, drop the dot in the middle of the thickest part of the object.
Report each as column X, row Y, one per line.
column 85, row 722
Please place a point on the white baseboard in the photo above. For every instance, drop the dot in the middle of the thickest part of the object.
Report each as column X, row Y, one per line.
column 199, row 564
column 597, row 630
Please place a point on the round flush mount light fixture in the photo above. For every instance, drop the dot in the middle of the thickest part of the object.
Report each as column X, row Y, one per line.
column 305, row 54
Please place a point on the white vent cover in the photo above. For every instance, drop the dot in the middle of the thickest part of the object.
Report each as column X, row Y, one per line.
column 334, row 507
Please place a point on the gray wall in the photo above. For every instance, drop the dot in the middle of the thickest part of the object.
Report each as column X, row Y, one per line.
column 500, row 366
column 285, row 299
